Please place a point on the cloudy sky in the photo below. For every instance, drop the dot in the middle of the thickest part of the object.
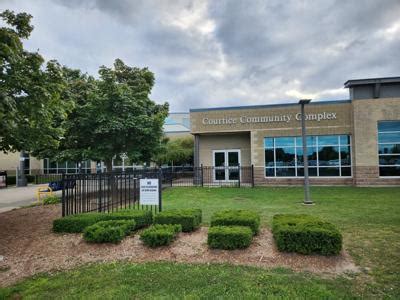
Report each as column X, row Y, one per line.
column 221, row 53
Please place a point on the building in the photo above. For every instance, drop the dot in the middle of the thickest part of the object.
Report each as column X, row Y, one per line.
column 176, row 125
column 350, row 142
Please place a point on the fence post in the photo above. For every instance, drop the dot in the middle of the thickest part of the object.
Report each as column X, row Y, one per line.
column 171, row 175
column 252, row 175
column 202, row 175
column 99, row 193
column 63, row 195
column 239, row 169
column 159, row 194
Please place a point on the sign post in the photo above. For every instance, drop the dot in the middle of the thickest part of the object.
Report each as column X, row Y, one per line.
column 150, row 192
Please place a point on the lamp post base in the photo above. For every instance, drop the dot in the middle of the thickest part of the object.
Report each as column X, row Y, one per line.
column 308, row 203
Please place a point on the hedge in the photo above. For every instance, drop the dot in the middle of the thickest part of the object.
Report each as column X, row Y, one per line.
column 229, row 237
column 160, row 234
column 190, row 219
column 112, row 231
column 237, row 218
column 306, row 234
column 77, row 223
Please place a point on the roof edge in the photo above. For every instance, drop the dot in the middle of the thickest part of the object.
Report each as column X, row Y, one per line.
column 268, row 105
column 365, row 81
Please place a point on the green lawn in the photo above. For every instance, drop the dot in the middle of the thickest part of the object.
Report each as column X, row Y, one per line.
column 368, row 217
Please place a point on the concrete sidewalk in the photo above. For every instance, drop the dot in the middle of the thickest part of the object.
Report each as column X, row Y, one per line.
column 14, row 197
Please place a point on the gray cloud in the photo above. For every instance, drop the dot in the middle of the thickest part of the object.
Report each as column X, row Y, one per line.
column 217, row 53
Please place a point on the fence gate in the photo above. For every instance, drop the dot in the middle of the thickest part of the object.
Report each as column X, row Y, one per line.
column 104, row 192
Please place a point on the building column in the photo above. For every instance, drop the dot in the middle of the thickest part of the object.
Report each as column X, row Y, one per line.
column 196, row 152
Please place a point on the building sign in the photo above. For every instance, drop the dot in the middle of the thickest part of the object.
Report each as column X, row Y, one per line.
column 282, row 118
column 149, row 192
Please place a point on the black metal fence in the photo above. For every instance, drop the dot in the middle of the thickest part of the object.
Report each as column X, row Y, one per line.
column 238, row 176
column 104, row 192
column 107, row 192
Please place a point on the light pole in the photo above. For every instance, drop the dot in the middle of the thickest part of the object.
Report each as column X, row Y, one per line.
column 307, row 199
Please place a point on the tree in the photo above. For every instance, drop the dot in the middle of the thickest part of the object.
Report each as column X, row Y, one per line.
column 113, row 115
column 32, row 109
column 177, row 151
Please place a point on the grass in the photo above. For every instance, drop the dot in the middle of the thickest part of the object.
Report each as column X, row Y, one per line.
column 168, row 280
column 369, row 219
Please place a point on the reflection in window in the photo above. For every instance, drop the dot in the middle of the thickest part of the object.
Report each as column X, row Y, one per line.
column 389, row 148
column 328, row 155
column 69, row 167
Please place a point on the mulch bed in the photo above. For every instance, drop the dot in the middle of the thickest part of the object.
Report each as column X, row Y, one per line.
column 28, row 246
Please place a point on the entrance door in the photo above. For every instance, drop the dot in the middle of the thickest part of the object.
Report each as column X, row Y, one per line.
column 226, row 165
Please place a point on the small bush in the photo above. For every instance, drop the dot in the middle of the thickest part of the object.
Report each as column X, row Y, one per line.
column 143, row 218
column 112, row 231
column 190, row 219
column 237, row 218
column 229, row 237
column 160, row 234
column 77, row 223
column 51, row 200
column 306, row 234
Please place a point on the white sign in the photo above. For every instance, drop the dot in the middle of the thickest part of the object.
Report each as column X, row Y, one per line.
column 149, row 192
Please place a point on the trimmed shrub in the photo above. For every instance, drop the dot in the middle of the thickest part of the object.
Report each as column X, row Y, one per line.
column 306, row 234
column 77, row 223
column 190, row 219
column 229, row 237
column 143, row 218
column 112, row 231
column 160, row 234
column 237, row 218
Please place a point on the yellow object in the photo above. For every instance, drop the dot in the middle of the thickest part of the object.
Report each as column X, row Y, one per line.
column 44, row 190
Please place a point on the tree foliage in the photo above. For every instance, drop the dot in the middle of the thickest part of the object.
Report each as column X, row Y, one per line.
column 113, row 115
column 178, row 151
column 32, row 107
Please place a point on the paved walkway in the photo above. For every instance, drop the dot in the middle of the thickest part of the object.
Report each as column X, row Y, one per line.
column 14, row 197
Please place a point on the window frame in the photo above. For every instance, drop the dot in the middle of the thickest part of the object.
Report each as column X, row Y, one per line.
column 386, row 143
column 315, row 146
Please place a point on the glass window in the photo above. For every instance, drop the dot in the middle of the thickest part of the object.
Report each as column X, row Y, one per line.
column 269, row 143
column 328, row 171
column 285, row 172
column 284, row 142
column 389, row 171
column 389, row 148
column 328, row 156
column 269, row 158
column 311, row 141
column 389, row 137
column 328, row 140
column 345, row 155
column 385, row 126
column 311, row 156
column 344, row 140
column 284, row 156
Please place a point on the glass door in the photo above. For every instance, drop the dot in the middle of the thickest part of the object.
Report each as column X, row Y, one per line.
column 226, row 165
column 233, row 165
column 219, row 165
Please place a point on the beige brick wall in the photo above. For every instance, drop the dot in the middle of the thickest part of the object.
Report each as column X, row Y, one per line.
column 10, row 162
column 226, row 141
column 342, row 111
column 366, row 114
